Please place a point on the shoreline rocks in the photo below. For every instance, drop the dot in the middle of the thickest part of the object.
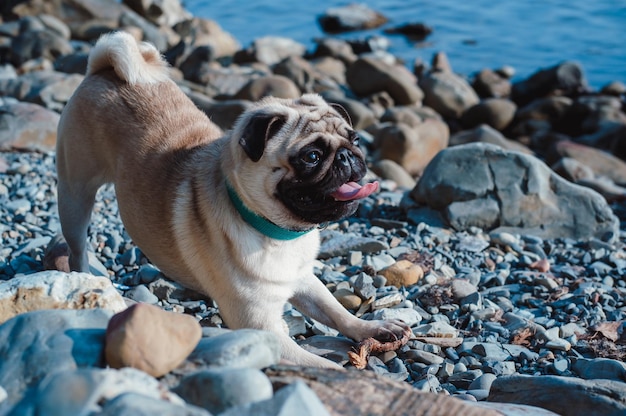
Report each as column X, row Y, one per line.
column 489, row 305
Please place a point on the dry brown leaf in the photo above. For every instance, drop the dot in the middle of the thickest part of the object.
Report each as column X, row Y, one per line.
column 522, row 337
column 609, row 330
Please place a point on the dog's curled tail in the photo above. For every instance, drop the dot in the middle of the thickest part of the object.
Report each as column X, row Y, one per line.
column 134, row 62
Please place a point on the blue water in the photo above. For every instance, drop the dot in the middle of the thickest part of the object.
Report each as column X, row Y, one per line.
column 475, row 34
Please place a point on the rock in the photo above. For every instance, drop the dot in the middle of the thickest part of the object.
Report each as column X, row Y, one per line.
column 196, row 64
column 483, row 382
column 462, row 288
column 27, row 126
column 360, row 116
column 566, row 78
column 491, row 351
column 347, row 298
column 217, row 390
column 436, row 329
column 388, row 169
column 562, row 395
column 331, row 73
column 334, row 348
column 542, row 204
column 74, row 63
column 615, row 88
column 408, row 315
column 600, row 162
column 357, row 392
column 150, row 339
column 552, row 109
column 74, row 15
column 600, row 368
column 295, row 398
column 364, row 286
column 38, row 344
column 336, row 244
column 57, row 290
column 487, row 134
column 133, row 404
column 334, row 48
column 609, row 136
column 237, row 349
column 413, row 148
column 273, row 85
column 368, row 75
column 298, row 70
column 495, row 112
column 85, row 390
column 490, row 84
column 161, row 37
column 222, row 113
column 350, row 18
column 142, row 294
column 511, row 409
column 270, row 50
column 54, row 96
column 448, row 94
column 206, row 32
column 413, row 31
column 403, row 114
column 403, row 273
column 573, row 170
column 34, row 44
column 388, row 301
column 159, row 12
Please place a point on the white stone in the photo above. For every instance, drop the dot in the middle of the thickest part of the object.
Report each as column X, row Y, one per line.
column 57, row 290
column 436, row 329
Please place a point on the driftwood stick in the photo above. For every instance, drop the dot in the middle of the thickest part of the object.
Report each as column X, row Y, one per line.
column 367, row 346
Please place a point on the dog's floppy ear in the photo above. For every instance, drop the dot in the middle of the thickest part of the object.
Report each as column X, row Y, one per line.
column 259, row 129
column 342, row 112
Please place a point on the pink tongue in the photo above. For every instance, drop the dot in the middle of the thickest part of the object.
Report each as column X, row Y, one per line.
column 352, row 190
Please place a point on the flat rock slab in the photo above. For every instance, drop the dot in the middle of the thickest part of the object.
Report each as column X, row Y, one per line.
column 366, row 393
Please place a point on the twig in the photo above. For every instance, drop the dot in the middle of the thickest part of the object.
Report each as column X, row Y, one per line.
column 372, row 345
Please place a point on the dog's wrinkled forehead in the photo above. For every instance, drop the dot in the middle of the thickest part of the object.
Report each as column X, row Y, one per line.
column 316, row 116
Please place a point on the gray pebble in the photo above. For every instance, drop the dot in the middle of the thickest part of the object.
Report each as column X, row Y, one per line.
column 238, row 349
column 142, row 294
column 217, row 390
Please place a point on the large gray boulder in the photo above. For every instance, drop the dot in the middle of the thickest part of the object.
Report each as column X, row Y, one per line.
column 563, row 395
column 38, row 344
column 483, row 185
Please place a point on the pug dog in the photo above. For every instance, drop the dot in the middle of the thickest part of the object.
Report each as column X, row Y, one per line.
column 234, row 216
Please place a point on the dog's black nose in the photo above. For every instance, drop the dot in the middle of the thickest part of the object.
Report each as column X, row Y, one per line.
column 344, row 156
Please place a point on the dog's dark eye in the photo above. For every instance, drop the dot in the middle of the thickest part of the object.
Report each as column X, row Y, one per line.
column 312, row 157
column 354, row 138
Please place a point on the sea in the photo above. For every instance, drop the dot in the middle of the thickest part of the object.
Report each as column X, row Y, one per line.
column 526, row 35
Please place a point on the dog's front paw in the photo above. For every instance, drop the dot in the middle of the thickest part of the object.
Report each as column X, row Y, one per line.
column 384, row 336
column 385, row 331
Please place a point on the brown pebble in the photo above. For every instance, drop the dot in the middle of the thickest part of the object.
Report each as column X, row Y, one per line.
column 150, row 339
column 402, row 273
column 542, row 265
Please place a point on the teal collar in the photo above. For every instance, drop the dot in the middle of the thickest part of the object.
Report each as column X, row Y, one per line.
column 262, row 225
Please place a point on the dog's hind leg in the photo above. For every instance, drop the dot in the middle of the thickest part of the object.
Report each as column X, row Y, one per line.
column 75, row 205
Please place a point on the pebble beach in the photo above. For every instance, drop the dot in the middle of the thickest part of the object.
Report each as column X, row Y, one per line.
column 498, row 234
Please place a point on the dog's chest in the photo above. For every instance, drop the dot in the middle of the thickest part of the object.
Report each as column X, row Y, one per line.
column 280, row 262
